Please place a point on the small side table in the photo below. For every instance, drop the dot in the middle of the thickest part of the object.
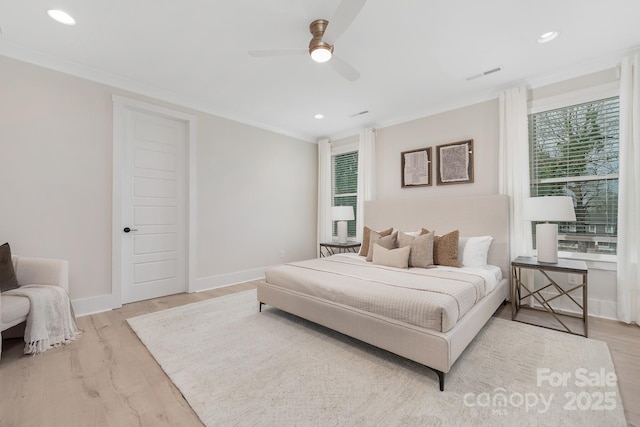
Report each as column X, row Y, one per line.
column 331, row 248
column 521, row 291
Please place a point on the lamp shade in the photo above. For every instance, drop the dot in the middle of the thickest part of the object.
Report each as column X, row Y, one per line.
column 342, row 213
column 549, row 208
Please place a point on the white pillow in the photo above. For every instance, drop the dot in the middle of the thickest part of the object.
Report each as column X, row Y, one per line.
column 462, row 242
column 475, row 251
column 398, row 258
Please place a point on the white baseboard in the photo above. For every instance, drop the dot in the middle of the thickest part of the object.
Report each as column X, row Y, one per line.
column 222, row 280
column 101, row 303
column 92, row 305
column 597, row 308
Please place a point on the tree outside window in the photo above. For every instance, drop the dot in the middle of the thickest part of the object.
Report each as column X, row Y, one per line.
column 344, row 191
column 574, row 152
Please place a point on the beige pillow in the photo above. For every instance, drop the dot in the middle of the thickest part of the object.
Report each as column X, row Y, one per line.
column 388, row 242
column 421, row 254
column 366, row 236
column 445, row 249
column 416, row 233
column 398, row 258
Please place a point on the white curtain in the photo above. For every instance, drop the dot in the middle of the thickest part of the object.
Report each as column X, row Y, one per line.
column 366, row 174
column 513, row 167
column 628, row 276
column 324, row 192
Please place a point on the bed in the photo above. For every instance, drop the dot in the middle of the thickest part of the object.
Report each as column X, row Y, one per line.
column 435, row 347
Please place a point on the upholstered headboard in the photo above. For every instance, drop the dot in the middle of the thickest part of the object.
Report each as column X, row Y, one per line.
column 472, row 215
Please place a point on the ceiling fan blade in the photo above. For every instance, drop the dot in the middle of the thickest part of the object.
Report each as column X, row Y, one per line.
column 344, row 69
column 278, row 52
column 341, row 19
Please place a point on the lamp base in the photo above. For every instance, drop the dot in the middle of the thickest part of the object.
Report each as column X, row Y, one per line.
column 342, row 231
column 547, row 243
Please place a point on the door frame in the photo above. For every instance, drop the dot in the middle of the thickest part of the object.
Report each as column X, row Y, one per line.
column 121, row 105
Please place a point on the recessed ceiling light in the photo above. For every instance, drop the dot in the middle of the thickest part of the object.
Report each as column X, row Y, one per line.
column 61, row 16
column 548, row 36
column 319, row 116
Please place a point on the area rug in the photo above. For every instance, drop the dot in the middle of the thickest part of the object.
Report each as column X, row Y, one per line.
column 237, row 366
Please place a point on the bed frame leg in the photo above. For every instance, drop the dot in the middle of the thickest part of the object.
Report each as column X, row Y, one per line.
column 440, row 379
column 260, row 304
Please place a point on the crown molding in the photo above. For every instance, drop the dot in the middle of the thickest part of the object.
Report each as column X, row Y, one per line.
column 124, row 83
column 554, row 76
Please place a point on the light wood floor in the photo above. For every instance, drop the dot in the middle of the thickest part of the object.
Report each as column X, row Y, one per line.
column 108, row 378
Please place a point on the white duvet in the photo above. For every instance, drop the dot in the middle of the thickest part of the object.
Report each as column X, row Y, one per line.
column 434, row 298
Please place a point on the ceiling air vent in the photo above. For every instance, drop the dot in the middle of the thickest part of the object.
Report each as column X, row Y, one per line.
column 485, row 73
column 361, row 113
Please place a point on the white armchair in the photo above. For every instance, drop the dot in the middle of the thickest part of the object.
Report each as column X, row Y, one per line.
column 30, row 271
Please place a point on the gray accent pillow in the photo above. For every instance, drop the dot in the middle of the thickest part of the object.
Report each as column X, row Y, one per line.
column 388, row 242
column 421, row 254
column 398, row 258
column 8, row 278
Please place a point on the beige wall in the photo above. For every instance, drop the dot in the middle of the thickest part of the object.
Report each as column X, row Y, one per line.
column 478, row 122
column 587, row 81
column 55, row 163
column 256, row 189
column 257, row 202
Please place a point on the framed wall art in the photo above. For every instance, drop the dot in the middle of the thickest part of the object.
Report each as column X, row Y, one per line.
column 455, row 163
column 416, row 167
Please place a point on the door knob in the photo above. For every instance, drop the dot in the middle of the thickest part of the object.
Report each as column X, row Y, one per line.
column 127, row 229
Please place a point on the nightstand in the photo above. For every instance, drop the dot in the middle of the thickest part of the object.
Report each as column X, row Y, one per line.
column 521, row 291
column 331, row 248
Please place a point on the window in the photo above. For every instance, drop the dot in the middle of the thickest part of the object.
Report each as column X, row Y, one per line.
column 344, row 185
column 574, row 152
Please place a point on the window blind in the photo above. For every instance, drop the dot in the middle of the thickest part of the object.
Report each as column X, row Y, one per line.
column 574, row 152
column 344, row 187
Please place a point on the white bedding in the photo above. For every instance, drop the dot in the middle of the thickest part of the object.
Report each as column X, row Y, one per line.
column 491, row 273
column 429, row 298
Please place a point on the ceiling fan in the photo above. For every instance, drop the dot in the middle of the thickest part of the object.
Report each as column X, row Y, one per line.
column 325, row 33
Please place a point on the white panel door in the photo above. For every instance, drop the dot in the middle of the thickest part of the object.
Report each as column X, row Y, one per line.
column 153, row 206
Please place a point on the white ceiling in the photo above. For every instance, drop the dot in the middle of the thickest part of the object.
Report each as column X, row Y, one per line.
column 413, row 55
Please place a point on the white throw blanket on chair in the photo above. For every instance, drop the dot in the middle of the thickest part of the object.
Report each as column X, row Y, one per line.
column 50, row 321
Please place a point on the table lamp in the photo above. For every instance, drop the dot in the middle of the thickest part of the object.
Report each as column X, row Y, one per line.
column 342, row 214
column 548, row 208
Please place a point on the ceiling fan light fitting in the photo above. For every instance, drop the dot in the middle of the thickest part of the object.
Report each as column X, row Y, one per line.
column 321, row 53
